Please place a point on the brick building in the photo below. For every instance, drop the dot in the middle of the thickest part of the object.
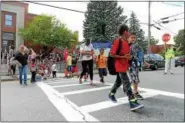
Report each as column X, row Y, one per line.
column 14, row 15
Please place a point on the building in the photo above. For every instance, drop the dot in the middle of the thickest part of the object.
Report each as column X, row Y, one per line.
column 14, row 15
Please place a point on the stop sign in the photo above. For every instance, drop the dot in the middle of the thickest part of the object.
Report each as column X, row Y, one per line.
column 166, row 37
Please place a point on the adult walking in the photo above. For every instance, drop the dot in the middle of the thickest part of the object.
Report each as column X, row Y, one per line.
column 22, row 57
column 170, row 58
column 86, row 52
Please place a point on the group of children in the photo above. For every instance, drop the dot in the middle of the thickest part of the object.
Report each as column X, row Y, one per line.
column 71, row 67
column 42, row 69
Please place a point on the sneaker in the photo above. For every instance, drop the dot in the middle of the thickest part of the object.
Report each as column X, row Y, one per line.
column 25, row 84
column 138, row 96
column 80, row 81
column 171, row 73
column 112, row 97
column 134, row 105
column 165, row 73
column 92, row 84
column 102, row 81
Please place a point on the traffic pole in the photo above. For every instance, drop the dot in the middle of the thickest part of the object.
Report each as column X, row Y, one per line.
column 0, row 33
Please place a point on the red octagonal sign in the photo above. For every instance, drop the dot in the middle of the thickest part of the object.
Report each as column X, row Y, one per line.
column 166, row 37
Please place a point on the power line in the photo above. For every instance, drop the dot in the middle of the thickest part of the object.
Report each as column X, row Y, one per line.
column 171, row 16
column 164, row 27
column 172, row 4
column 56, row 7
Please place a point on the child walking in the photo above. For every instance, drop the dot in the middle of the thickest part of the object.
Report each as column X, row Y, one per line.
column 54, row 69
column 134, row 67
column 69, row 64
column 33, row 69
column 101, row 62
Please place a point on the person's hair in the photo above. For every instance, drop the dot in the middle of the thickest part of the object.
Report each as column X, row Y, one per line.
column 102, row 49
column 33, row 60
column 132, row 33
column 122, row 29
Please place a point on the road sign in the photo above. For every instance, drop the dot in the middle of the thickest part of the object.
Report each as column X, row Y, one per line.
column 166, row 37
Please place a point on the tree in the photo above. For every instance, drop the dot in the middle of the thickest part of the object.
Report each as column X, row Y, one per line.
column 47, row 31
column 179, row 39
column 102, row 20
column 135, row 27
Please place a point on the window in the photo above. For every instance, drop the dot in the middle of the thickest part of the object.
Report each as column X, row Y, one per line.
column 8, row 20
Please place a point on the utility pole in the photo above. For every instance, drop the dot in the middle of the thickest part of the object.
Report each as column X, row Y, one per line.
column 0, row 33
column 149, row 26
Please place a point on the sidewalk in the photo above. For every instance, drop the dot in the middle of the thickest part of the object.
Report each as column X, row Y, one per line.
column 10, row 78
column 5, row 78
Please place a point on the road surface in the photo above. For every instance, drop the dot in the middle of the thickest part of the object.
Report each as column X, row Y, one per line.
column 65, row 100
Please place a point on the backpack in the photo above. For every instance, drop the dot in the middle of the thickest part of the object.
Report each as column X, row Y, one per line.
column 111, row 60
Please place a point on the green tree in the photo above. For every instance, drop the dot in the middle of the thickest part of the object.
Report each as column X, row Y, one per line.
column 47, row 31
column 179, row 39
column 102, row 19
column 135, row 27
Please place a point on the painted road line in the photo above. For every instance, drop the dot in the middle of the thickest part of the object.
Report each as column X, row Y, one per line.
column 68, row 109
column 160, row 92
column 165, row 93
column 85, row 90
column 109, row 104
column 60, row 82
column 61, row 86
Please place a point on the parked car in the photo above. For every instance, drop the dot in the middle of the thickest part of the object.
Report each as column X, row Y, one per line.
column 155, row 60
column 179, row 61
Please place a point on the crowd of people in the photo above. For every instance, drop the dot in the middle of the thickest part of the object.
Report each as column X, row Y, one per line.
column 125, row 64
column 41, row 66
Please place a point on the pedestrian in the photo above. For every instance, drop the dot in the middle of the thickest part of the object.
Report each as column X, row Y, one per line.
column 33, row 70
column 101, row 62
column 133, row 71
column 22, row 57
column 86, row 52
column 13, row 64
column 121, row 66
column 69, row 64
column 54, row 69
column 170, row 58
column 74, row 65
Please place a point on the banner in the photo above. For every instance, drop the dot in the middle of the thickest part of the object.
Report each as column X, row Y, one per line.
column 98, row 45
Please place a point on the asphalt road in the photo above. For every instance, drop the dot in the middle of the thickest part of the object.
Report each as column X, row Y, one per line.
column 65, row 100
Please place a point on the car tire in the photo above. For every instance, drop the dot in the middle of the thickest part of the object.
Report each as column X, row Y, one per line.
column 155, row 67
column 175, row 65
column 182, row 65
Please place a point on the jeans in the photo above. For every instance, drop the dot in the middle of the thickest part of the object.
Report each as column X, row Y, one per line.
column 23, row 70
column 123, row 79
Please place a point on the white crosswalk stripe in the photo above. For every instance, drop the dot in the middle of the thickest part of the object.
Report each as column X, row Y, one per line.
column 84, row 110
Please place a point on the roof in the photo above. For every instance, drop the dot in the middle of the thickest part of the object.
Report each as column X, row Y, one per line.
column 16, row 3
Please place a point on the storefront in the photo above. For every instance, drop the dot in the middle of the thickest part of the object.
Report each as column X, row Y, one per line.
column 8, row 39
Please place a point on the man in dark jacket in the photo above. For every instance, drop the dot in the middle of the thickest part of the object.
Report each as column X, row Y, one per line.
column 22, row 57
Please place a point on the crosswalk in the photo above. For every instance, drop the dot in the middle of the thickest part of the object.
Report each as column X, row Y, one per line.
column 79, row 102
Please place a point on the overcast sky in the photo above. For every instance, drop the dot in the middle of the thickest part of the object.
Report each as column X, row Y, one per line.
column 74, row 20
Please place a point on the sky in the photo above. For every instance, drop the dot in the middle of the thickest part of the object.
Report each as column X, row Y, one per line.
column 74, row 21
